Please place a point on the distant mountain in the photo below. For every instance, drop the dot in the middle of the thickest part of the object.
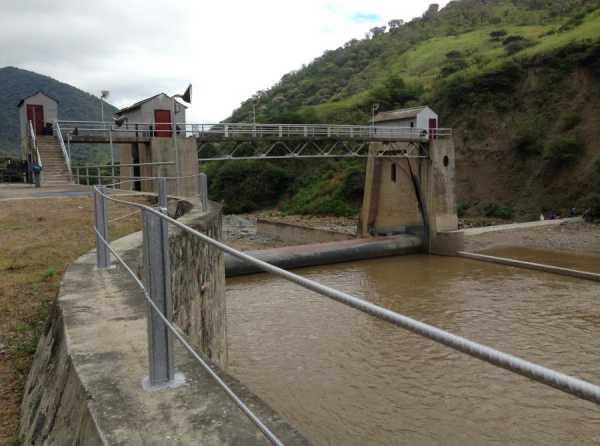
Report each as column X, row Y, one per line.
column 16, row 84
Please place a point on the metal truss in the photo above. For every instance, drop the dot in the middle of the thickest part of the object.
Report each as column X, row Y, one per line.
column 254, row 150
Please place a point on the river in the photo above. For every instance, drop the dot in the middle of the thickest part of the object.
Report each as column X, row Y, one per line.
column 345, row 378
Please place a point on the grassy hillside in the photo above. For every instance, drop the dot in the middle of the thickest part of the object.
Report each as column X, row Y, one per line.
column 16, row 84
column 517, row 79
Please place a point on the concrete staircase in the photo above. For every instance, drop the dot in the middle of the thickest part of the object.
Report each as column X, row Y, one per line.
column 55, row 172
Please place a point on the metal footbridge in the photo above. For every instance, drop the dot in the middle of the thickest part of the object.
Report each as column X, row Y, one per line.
column 256, row 141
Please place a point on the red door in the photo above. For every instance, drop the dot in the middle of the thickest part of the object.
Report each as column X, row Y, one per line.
column 162, row 121
column 35, row 114
column 433, row 128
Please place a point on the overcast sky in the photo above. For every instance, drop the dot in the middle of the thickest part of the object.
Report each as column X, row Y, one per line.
column 227, row 49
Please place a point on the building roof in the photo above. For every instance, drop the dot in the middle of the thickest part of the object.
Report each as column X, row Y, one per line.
column 142, row 102
column 36, row 93
column 396, row 115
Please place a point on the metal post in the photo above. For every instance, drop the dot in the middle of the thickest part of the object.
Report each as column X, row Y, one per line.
column 163, row 199
column 87, row 175
column 203, row 191
column 112, row 154
column 157, row 284
column 101, row 214
column 174, row 133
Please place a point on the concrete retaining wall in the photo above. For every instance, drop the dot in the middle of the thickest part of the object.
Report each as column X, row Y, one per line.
column 297, row 234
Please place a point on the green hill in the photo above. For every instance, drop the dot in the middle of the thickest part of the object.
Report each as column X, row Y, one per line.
column 518, row 80
column 16, row 84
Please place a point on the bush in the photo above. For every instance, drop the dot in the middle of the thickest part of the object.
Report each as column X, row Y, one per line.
column 596, row 164
column 564, row 150
column 514, row 44
column 570, row 121
column 497, row 35
column 246, row 186
column 461, row 209
column 591, row 203
column 493, row 210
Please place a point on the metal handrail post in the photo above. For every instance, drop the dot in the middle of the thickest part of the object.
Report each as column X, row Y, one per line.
column 87, row 175
column 203, row 191
column 157, row 284
column 163, row 199
column 101, row 217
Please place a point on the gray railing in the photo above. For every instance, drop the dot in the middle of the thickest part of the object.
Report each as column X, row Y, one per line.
column 155, row 238
column 35, row 155
column 92, row 174
column 61, row 142
column 254, row 131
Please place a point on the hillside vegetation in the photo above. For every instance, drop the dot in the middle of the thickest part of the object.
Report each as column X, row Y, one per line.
column 518, row 80
column 74, row 104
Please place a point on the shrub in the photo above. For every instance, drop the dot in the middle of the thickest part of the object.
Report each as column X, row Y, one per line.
column 493, row 210
column 246, row 186
column 497, row 35
column 570, row 121
column 564, row 149
column 596, row 164
column 461, row 209
column 514, row 44
column 591, row 203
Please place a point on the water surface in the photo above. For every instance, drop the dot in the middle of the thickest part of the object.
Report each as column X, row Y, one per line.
column 345, row 378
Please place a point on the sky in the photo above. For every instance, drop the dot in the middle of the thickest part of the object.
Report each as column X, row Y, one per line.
column 226, row 49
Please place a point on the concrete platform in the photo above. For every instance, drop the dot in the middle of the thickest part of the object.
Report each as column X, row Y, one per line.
column 16, row 191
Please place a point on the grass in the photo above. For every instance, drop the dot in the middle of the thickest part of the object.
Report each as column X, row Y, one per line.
column 38, row 240
column 423, row 63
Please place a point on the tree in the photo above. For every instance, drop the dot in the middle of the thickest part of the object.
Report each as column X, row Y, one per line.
column 431, row 11
column 377, row 31
column 395, row 24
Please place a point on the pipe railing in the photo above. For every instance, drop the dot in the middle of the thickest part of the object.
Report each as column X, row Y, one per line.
column 255, row 131
column 61, row 142
column 156, row 232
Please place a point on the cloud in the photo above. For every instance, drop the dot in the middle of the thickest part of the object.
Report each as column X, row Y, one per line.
column 227, row 49
column 361, row 17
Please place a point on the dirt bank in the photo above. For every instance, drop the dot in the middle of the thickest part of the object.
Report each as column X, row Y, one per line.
column 576, row 238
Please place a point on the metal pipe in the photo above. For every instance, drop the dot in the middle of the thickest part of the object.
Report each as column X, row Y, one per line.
column 101, row 227
column 157, row 283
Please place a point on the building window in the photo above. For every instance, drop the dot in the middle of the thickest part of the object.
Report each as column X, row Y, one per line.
column 394, row 173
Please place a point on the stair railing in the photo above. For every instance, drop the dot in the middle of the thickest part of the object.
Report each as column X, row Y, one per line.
column 61, row 141
column 35, row 157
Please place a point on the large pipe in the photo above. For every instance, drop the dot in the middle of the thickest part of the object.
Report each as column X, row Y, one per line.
column 291, row 257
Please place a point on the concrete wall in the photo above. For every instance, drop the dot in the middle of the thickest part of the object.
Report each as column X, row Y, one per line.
column 391, row 207
column 162, row 150
column 198, row 286
column 85, row 385
column 297, row 234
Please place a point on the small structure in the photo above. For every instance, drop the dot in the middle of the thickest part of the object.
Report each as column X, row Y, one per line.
column 41, row 110
column 416, row 117
column 155, row 110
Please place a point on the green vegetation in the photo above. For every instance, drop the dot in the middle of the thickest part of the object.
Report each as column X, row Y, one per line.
column 504, row 74
column 564, row 150
column 494, row 210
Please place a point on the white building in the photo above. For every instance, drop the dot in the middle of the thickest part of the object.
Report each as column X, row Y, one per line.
column 38, row 108
column 415, row 117
column 155, row 111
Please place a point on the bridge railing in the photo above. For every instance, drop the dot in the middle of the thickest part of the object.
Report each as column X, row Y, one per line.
column 155, row 229
column 253, row 131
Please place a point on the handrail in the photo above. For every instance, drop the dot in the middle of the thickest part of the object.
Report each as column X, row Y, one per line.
column 33, row 141
column 63, row 148
column 233, row 130
column 565, row 383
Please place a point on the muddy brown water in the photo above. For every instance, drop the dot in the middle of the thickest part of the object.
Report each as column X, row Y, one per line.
column 345, row 378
